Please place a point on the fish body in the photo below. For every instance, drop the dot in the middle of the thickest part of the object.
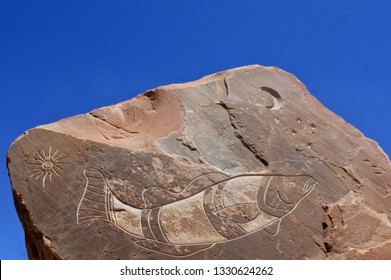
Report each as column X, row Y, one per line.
column 213, row 208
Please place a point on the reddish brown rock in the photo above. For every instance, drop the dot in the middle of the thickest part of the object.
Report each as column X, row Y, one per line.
column 242, row 164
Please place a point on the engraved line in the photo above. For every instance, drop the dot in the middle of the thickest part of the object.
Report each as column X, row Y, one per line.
column 214, row 214
column 227, row 234
column 90, row 218
column 278, row 228
column 212, row 172
column 94, row 201
column 37, row 161
column 41, row 156
column 308, row 184
column 273, row 211
column 82, row 197
column 42, row 173
column 218, row 198
column 58, row 166
column 44, row 179
column 265, row 193
column 55, row 153
column 229, row 178
column 161, row 230
column 235, row 228
column 35, row 168
column 143, row 198
column 155, row 227
column 264, row 199
column 91, row 208
column 109, row 206
column 282, row 200
column 145, row 224
column 35, row 173
column 61, row 157
column 95, row 186
column 101, row 194
column 149, row 225
column 55, row 171
column 106, row 199
column 215, row 210
column 58, row 157
column 207, row 217
column 96, row 190
column 184, row 189
column 90, row 176
column 113, row 214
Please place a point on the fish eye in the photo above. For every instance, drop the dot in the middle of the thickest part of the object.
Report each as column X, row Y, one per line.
column 292, row 184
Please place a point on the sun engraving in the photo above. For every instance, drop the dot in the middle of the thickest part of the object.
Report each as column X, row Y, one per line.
column 47, row 163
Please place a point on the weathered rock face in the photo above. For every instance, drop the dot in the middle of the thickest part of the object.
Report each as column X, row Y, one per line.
column 242, row 164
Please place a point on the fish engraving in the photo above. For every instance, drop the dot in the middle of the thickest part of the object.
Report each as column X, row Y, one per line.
column 213, row 208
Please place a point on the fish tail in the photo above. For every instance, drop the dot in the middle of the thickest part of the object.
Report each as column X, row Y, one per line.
column 96, row 202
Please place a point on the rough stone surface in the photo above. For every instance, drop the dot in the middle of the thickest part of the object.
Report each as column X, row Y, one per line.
column 242, row 164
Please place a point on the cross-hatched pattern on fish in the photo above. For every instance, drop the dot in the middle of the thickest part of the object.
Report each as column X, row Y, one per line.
column 213, row 208
column 96, row 201
column 46, row 163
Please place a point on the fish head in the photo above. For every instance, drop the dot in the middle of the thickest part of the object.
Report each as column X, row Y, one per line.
column 285, row 192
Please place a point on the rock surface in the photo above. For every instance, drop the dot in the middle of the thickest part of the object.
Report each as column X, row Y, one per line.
column 242, row 164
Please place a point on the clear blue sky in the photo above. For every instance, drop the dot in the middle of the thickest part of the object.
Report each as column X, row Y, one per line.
column 61, row 58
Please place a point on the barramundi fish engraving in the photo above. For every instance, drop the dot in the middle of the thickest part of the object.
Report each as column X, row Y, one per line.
column 213, row 208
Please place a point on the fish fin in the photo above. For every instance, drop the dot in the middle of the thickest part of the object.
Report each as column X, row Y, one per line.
column 158, row 196
column 239, row 213
column 205, row 181
column 170, row 249
column 96, row 202
column 155, row 197
column 273, row 228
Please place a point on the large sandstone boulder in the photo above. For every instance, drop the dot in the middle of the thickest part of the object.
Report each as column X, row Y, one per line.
column 242, row 164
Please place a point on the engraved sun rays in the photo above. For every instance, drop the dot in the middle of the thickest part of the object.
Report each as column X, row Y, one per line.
column 45, row 164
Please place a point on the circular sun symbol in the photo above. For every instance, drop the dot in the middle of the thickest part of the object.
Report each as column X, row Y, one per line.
column 45, row 164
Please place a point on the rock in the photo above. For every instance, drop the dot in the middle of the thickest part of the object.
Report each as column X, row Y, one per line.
column 242, row 164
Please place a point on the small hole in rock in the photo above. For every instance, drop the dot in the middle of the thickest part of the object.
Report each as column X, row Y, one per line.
column 328, row 247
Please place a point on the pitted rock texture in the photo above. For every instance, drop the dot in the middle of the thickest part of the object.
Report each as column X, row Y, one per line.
column 242, row 164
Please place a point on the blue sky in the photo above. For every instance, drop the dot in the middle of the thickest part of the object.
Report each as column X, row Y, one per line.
column 61, row 58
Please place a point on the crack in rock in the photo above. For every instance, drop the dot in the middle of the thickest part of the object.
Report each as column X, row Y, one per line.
column 111, row 124
column 248, row 146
